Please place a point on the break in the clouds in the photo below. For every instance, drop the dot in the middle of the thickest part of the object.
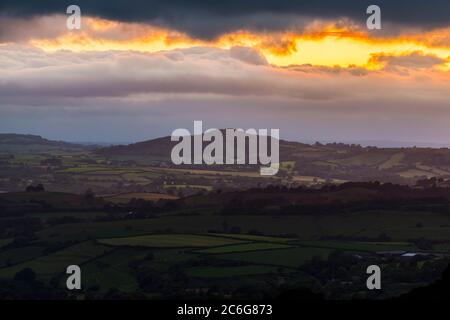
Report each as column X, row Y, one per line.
column 51, row 78
column 225, row 87
column 206, row 19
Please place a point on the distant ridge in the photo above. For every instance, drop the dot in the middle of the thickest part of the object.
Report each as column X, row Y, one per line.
column 30, row 139
column 331, row 161
column 347, row 162
column 155, row 147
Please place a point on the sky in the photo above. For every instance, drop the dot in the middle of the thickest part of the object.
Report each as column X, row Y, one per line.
column 140, row 69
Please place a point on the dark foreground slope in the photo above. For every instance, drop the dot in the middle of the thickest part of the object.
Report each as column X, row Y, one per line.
column 274, row 243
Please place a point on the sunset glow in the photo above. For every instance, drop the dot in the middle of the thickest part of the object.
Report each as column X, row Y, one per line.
column 321, row 75
column 326, row 47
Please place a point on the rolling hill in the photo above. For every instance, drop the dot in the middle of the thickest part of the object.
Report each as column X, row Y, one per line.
column 321, row 161
column 11, row 143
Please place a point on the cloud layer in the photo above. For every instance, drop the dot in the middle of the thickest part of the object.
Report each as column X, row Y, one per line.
column 309, row 68
column 206, row 19
column 234, row 87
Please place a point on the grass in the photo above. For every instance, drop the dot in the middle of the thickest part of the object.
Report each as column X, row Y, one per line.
column 287, row 165
column 252, row 237
column 364, row 159
column 83, row 169
column 225, row 272
column 360, row 246
column 170, row 241
column 211, row 172
column 307, row 227
column 56, row 263
column 245, row 247
column 184, row 186
column 4, row 242
column 414, row 173
column 18, row 255
column 393, row 161
column 164, row 259
column 126, row 197
column 293, row 257
column 112, row 270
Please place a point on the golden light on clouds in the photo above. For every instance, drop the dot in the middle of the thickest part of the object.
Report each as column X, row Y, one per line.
column 319, row 46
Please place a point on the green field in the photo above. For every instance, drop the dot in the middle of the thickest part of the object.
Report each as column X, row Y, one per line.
column 360, row 246
column 183, row 186
column 245, row 247
column 126, row 197
column 112, row 270
column 233, row 233
column 164, row 259
column 225, row 272
column 48, row 266
column 4, row 242
column 85, row 169
column 16, row 255
column 251, row 237
column 308, row 227
column 168, row 241
column 292, row 257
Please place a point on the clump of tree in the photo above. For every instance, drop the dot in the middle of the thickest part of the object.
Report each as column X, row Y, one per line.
column 26, row 286
column 89, row 196
column 37, row 188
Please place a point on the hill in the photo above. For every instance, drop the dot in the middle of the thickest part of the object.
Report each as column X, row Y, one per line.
column 27, row 139
column 160, row 147
column 344, row 198
column 22, row 143
column 336, row 161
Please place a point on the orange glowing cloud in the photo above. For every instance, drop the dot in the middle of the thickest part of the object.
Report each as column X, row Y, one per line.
column 319, row 44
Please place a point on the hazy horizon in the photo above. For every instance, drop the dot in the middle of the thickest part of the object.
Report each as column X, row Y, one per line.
column 363, row 143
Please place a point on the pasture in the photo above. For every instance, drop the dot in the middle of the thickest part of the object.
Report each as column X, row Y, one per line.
column 245, row 247
column 53, row 264
column 4, row 242
column 126, row 197
column 169, row 241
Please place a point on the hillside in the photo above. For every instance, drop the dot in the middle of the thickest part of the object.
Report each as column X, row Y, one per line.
column 160, row 147
column 344, row 198
column 11, row 142
column 322, row 161
column 146, row 167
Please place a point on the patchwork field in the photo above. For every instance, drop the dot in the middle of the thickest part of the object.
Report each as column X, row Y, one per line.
column 125, row 262
column 400, row 227
column 126, row 197
column 113, row 271
column 360, row 246
column 245, row 247
column 291, row 257
column 167, row 241
column 251, row 237
column 228, row 228
column 17, row 255
column 51, row 265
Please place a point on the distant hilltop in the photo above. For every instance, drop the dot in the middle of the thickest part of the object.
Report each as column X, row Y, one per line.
column 330, row 161
column 348, row 162
column 14, row 139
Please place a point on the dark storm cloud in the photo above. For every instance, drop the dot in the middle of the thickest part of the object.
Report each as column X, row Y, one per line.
column 208, row 18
